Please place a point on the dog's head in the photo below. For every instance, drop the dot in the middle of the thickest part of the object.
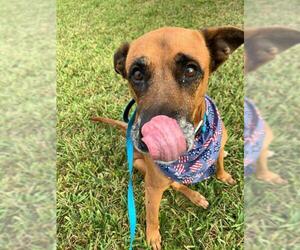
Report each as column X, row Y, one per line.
column 168, row 70
column 263, row 44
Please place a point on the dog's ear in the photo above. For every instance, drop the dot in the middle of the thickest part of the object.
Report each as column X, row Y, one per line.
column 120, row 59
column 221, row 42
column 263, row 44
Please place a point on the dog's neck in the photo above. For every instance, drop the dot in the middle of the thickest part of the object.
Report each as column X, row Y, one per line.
column 199, row 101
column 199, row 111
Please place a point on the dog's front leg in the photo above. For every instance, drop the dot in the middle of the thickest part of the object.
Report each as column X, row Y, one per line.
column 262, row 171
column 192, row 195
column 155, row 185
column 221, row 173
column 153, row 198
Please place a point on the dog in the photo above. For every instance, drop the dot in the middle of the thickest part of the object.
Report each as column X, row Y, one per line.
column 167, row 72
column 261, row 46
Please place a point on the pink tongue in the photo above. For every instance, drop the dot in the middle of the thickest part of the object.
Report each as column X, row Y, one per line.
column 164, row 138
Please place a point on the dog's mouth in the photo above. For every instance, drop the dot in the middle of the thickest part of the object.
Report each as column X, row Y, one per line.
column 163, row 138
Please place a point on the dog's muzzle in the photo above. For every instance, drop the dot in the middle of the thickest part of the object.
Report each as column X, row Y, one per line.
column 163, row 138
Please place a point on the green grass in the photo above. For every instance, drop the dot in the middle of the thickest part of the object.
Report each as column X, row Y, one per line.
column 27, row 125
column 272, row 216
column 92, row 170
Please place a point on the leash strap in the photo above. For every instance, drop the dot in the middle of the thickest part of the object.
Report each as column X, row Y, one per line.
column 130, row 194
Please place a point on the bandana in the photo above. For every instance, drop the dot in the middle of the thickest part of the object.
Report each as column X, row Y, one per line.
column 198, row 164
column 254, row 135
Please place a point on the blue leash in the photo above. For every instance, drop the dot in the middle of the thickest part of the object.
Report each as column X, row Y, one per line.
column 130, row 152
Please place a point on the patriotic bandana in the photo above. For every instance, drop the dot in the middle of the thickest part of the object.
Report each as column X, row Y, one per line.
column 254, row 135
column 198, row 164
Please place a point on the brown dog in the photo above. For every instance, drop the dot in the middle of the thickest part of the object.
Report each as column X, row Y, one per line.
column 261, row 46
column 168, row 71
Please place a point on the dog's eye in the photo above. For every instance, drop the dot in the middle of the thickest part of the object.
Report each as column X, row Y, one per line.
column 190, row 71
column 137, row 75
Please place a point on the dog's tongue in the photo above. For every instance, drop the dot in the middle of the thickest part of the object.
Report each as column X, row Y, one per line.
column 164, row 138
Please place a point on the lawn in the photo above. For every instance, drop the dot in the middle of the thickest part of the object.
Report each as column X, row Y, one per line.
column 91, row 165
column 272, row 213
column 27, row 125
column 272, row 216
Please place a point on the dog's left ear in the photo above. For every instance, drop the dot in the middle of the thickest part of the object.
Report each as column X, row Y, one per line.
column 221, row 42
column 120, row 59
column 264, row 44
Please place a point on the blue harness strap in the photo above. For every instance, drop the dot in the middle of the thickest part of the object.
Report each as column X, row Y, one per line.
column 130, row 194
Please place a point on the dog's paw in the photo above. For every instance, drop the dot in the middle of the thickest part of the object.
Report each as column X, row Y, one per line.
column 226, row 178
column 271, row 178
column 199, row 200
column 154, row 239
